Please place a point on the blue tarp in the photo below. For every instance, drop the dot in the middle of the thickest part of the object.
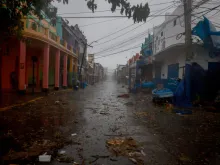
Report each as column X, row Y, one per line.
column 207, row 32
column 182, row 95
column 147, row 85
column 162, row 93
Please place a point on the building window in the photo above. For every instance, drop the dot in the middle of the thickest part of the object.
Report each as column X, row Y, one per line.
column 161, row 33
column 174, row 22
column 157, row 38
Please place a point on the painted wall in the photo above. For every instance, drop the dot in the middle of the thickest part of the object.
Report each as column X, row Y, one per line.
column 52, row 69
column 38, row 66
column 8, row 64
column 59, row 27
column 172, row 27
column 174, row 59
column 202, row 58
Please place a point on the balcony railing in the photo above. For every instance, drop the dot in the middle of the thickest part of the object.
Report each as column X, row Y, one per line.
column 34, row 27
column 53, row 36
column 69, row 47
column 62, row 42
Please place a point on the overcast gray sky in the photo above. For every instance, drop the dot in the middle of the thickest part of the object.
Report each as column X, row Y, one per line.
column 97, row 31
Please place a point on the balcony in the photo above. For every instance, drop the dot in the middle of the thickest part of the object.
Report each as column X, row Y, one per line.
column 37, row 30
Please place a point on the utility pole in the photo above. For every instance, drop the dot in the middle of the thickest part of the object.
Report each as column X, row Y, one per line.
column 188, row 48
column 84, row 53
column 188, row 28
column 80, row 70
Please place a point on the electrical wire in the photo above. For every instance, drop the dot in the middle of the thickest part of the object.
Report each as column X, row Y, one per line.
column 207, row 11
column 98, row 22
column 136, row 46
column 123, row 43
column 99, row 11
column 127, row 26
column 196, row 6
column 116, row 16
column 124, row 33
column 119, row 36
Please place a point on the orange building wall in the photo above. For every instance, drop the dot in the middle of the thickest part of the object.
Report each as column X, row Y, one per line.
column 29, row 65
column 9, row 64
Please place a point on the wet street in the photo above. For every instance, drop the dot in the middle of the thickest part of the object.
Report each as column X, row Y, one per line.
column 79, row 124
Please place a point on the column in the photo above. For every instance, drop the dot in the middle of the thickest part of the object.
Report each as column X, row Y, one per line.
column 70, row 72
column 65, row 71
column 46, row 54
column 57, row 70
column 75, row 64
column 22, row 67
column 38, row 73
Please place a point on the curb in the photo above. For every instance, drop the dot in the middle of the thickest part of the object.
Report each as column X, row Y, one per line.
column 30, row 101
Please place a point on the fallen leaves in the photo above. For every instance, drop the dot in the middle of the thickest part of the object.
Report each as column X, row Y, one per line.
column 127, row 147
column 141, row 114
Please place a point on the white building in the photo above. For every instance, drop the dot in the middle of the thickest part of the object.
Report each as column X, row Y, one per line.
column 169, row 49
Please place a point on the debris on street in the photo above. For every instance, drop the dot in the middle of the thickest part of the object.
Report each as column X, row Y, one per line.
column 65, row 159
column 45, row 158
column 141, row 114
column 74, row 134
column 123, row 96
column 57, row 102
column 62, row 152
column 127, row 147
column 97, row 157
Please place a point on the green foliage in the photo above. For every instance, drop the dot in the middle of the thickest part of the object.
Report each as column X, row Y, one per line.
column 12, row 12
column 139, row 13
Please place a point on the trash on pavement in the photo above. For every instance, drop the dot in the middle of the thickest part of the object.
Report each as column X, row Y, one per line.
column 74, row 134
column 45, row 158
column 127, row 147
column 143, row 153
column 57, row 102
column 65, row 159
column 97, row 157
column 62, row 152
column 133, row 160
column 124, row 96
column 169, row 107
column 182, row 112
column 141, row 114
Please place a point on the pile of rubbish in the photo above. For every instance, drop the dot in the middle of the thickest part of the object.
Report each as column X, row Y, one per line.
column 127, row 147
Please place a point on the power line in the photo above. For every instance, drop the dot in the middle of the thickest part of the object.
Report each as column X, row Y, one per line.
column 98, row 22
column 165, row 24
column 124, row 33
column 207, row 11
column 115, row 32
column 132, row 47
column 119, row 52
column 117, row 16
column 120, row 35
column 99, row 11
column 196, row 6
column 129, row 25
column 128, row 40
